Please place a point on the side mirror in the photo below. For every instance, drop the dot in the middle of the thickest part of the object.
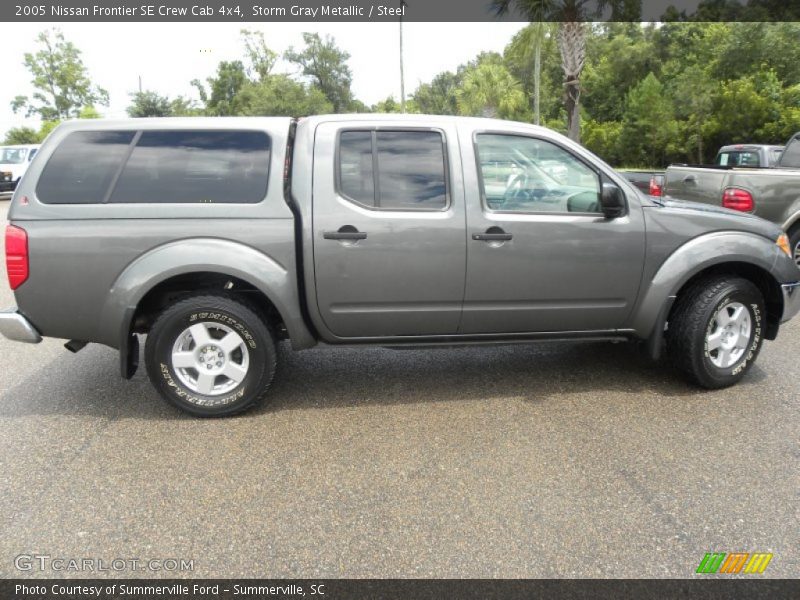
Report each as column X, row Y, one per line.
column 612, row 201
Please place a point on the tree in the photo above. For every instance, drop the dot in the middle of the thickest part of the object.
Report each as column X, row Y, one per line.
column 149, row 104
column 571, row 39
column 21, row 135
column 61, row 81
column 650, row 131
column 222, row 97
column 489, row 90
column 152, row 104
column 325, row 65
column 262, row 58
column 280, row 95
column 526, row 47
column 439, row 96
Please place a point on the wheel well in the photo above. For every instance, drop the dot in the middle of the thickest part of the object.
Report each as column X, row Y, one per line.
column 189, row 284
column 769, row 288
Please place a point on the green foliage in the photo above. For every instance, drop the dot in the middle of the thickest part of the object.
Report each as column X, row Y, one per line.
column 151, row 104
column 280, row 95
column 61, row 82
column 223, row 95
column 325, row 66
column 21, row 135
column 489, row 90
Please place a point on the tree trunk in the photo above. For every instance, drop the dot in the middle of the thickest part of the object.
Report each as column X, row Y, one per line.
column 572, row 45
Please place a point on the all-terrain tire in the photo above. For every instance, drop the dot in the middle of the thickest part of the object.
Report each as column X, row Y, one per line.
column 694, row 320
column 209, row 379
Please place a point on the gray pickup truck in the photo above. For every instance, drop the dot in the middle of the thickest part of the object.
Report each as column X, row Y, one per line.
column 772, row 193
column 218, row 237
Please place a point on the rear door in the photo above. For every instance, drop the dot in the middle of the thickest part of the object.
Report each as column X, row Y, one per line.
column 389, row 229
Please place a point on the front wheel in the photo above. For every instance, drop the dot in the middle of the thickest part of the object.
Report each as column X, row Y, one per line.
column 211, row 356
column 715, row 332
column 794, row 244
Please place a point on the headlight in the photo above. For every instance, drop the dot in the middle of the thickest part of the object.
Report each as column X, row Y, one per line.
column 783, row 244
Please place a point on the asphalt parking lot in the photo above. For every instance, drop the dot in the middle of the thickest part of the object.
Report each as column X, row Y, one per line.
column 554, row 460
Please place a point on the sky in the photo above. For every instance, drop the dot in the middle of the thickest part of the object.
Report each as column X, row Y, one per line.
column 168, row 56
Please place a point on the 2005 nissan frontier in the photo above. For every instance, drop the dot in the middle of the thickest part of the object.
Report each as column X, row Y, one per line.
column 218, row 237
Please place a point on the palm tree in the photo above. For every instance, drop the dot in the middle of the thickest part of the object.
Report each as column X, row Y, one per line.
column 402, row 68
column 571, row 16
column 530, row 41
column 489, row 90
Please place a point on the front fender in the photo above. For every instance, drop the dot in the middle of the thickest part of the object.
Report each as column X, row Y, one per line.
column 274, row 280
column 690, row 259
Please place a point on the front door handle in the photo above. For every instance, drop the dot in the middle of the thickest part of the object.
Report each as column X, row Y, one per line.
column 348, row 232
column 492, row 236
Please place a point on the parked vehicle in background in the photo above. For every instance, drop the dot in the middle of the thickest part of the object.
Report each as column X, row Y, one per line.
column 749, row 155
column 649, row 182
column 14, row 161
column 218, row 237
column 770, row 193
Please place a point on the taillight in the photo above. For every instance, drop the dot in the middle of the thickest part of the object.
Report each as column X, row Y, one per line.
column 737, row 199
column 16, row 256
column 655, row 185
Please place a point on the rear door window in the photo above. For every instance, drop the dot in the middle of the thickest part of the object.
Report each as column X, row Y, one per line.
column 83, row 166
column 191, row 166
column 393, row 170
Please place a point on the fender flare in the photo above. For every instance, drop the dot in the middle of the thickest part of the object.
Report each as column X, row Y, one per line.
column 791, row 221
column 193, row 255
column 709, row 250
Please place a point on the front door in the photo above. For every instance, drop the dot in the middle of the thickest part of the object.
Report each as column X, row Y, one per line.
column 389, row 246
column 542, row 257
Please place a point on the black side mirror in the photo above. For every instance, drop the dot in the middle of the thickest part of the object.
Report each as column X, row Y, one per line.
column 612, row 201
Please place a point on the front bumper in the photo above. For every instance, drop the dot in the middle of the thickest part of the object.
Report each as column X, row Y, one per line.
column 7, row 184
column 791, row 300
column 17, row 328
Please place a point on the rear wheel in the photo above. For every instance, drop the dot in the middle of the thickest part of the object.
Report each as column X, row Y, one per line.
column 715, row 332
column 210, row 356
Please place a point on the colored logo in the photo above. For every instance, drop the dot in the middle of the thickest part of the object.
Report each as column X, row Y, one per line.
column 734, row 562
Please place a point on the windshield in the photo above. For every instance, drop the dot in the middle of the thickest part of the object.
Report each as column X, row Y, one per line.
column 12, row 156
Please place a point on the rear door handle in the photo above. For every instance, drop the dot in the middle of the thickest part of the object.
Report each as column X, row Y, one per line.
column 690, row 179
column 492, row 237
column 344, row 235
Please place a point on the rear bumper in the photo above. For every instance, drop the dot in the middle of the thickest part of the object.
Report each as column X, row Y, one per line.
column 791, row 300
column 17, row 328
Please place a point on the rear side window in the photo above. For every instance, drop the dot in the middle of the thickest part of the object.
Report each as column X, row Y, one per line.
column 395, row 170
column 196, row 167
column 83, row 166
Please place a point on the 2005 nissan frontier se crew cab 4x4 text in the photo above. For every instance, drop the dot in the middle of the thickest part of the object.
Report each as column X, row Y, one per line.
column 218, row 237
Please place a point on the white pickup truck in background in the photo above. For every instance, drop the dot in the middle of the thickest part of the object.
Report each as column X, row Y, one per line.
column 14, row 161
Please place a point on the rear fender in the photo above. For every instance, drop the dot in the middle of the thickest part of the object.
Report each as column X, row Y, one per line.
column 201, row 255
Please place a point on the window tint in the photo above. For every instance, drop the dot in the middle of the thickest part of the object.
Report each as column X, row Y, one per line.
column 410, row 174
column 411, row 171
column 356, row 178
column 522, row 174
column 83, row 166
column 196, row 167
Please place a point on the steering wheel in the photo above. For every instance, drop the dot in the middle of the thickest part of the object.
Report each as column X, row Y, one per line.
column 516, row 188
